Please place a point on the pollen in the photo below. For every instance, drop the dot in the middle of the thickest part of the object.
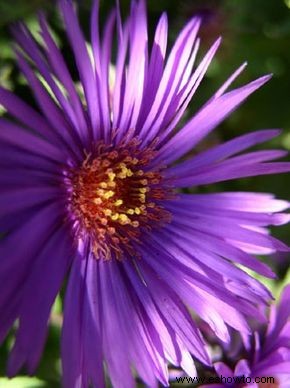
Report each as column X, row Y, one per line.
column 111, row 176
column 114, row 196
column 115, row 217
column 124, row 219
column 108, row 194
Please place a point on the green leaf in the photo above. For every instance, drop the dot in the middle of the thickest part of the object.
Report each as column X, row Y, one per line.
column 22, row 382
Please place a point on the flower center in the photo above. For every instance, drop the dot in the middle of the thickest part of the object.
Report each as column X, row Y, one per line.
column 114, row 196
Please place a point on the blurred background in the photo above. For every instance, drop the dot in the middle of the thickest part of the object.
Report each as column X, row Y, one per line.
column 254, row 30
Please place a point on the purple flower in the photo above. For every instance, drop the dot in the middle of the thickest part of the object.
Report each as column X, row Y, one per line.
column 90, row 187
column 268, row 353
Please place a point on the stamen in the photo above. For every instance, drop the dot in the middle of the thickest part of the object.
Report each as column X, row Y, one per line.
column 113, row 197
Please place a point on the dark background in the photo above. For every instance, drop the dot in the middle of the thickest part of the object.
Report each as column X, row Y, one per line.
column 254, row 30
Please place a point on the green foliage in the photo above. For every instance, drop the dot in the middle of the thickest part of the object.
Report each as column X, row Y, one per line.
column 23, row 382
column 11, row 11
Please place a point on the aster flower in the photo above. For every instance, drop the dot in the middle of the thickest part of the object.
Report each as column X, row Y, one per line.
column 91, row 190
column 268, row 353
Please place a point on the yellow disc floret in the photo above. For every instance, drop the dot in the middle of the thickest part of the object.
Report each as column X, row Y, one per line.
column 114, row 196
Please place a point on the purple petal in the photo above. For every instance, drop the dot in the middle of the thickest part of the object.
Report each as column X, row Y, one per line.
column 176, row 315
column 234, row 169
column 27, row 43
column 139, row 331
column 46, row 276
column 229, row 81
column 119, row 85
column 186, row 284
column 223, row 369
column 219, row 246
column 205, row 121
column 19, row 137
column 31, row 235
column 84, row 64
column 102, row 56
column 162, row 327
column 13, row 159
column 221, row 152
column 49, row 109
column 184, row 97
column 279, row 317
column 234, row 233
column 200, row 210
column 155, row 69
column 41, row 223
column 59, row 67
column 242, row 201
column 169, row 84
column 122, row 313
column 137, row 68
column 12, row 201
column 192, row 251
column 26, row 115
column 242, row 368
column 82, row 357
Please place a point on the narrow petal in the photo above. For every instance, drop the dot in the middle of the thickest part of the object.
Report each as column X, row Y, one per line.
column 14, row 159
column 206, row 120
column 27, row 43
column 27, row 115
column 139, row 332
column 60, row 69
column 31, row 232
column 82, row 357
column 176, row 315
column 19, row 137
column 49, row 109
column 46, row 275
column 155, row 68
column 185, row 95
column 84, row 64
column 241, row 201
column 192, row 252
column 236, row 232
column 192, row 288
column 223, row 369
column 221, row 152
column 224, row 172
column 13, row 201
column 31, row 235
column 167, row 336
column 176, row 65
column 114, row 335
column 279, row 317
column 229, row 81
column 102, row 56
column 137, row 68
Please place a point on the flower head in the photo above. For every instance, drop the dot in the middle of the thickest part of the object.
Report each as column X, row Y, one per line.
column 267, row 353
column 91, row 189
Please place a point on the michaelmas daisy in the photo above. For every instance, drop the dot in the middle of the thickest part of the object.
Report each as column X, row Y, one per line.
column 91, row 191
